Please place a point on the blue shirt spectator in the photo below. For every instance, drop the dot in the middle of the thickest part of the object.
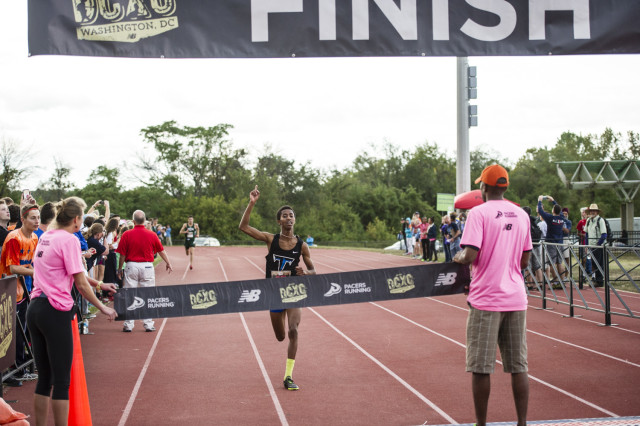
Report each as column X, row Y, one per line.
column 555, row 222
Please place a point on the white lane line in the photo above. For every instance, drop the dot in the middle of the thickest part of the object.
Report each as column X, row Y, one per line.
column 560, row 296
column 259, row 268
column 224, row 272
column 554, row 313
column 185, row 272
column 143, row 372
column 588, row 320
column 272, row 392
column 570, row 395
column 391, row 373
column 316, row 262
column 363, row 265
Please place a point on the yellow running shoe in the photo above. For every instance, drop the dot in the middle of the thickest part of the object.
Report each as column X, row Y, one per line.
column 289, row 385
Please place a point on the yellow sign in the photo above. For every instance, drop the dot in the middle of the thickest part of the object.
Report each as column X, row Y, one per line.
column 6, row 323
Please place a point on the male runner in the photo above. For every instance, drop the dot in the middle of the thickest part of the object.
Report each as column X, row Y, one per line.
column 192, row 230
column 285, row 249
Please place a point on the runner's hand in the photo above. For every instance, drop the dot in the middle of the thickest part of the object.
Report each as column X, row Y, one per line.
column 109, row 312
column 254, row 195
column 169, row 268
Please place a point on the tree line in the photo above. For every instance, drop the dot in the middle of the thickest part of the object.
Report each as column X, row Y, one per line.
column 198, row 171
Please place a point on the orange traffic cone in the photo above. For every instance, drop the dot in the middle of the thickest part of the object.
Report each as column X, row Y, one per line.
column 79, row 410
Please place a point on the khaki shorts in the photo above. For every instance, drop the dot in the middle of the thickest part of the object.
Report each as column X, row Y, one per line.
column 555, row 254
column 488, row 329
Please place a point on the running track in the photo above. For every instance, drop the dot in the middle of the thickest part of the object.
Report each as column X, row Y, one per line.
column 385, row 363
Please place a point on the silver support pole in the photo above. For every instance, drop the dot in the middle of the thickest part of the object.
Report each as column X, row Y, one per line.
column 463, row 167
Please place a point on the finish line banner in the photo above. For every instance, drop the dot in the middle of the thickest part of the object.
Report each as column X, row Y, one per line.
column 325, row 28
column 291, row 292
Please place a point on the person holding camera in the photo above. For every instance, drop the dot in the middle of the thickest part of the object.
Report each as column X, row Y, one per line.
column 556, row 230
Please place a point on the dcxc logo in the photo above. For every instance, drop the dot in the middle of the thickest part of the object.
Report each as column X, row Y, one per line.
column 123, row 21
column 203, row 299
column 250, row 296
column 293, row 293
column 401, row 283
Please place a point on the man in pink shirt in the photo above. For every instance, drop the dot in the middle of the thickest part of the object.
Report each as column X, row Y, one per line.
column 497, row 242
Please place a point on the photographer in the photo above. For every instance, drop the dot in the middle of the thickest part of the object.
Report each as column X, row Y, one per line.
column 556, row 230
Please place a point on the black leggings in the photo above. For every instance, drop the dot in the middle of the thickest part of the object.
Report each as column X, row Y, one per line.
column 425, row 248
column 52, row 344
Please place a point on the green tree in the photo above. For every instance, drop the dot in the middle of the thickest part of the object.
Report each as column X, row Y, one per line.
column 58, row 185
column 13, row 166
column 103, row 185
column 196, row 159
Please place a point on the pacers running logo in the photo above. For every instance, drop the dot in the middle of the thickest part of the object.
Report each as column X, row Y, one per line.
column 335, row 289
column 138, row 303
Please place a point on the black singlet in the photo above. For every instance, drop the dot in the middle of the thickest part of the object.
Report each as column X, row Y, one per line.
column 283, row 260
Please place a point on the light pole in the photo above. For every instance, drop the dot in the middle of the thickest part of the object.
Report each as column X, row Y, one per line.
column 467, row 116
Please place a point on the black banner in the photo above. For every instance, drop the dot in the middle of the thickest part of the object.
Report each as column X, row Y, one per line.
column 319, row 28
column 291, row 292
column 8, row 291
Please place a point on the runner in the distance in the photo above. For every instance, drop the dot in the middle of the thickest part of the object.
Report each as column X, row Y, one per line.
column 285, row 249
column 191, row 231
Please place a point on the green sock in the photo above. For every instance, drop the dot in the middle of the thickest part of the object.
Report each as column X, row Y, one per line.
column 289, row 371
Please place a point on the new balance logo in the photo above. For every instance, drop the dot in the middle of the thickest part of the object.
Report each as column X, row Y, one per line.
column 446, row 279
column 250, row 296
column 335, row 289
column 137, row 304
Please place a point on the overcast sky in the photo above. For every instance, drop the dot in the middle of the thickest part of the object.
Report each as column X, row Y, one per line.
column 89, row 111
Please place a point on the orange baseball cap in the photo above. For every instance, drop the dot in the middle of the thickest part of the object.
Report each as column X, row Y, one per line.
column 494, row 175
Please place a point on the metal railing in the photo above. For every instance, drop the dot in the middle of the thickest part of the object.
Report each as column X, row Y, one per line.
column 593, row 278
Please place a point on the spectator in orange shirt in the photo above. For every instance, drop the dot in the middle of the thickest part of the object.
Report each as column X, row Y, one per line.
column 16, row 258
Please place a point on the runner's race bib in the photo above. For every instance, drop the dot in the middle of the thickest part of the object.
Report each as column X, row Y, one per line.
column 280, row 274
column 189, row 234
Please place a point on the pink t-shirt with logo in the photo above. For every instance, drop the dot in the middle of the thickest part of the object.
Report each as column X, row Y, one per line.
column 56, row 260
column 501, row 231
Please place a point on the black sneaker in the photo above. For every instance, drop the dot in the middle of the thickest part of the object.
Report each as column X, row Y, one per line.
column 12, row 382
column 289, row 385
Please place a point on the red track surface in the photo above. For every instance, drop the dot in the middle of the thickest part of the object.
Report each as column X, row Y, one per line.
column 388, row 363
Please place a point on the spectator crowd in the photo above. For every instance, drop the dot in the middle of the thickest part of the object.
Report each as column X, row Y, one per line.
column 422, row 239
column 23, row 224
